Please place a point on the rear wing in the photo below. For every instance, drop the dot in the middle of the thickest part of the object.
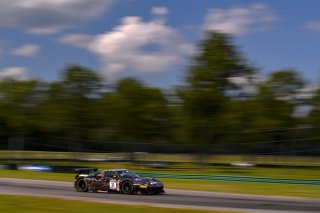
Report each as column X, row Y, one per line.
column 85, row 170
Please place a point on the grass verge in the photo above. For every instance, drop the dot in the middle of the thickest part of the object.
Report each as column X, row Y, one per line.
column 29, row 204
column 269, row 189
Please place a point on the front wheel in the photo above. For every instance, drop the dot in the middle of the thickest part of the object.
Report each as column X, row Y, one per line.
column 127, row 188
column 81, row 185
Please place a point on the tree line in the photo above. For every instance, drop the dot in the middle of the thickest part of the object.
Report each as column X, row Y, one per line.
column 220, row 106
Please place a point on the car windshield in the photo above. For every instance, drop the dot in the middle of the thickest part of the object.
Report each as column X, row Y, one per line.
column 127, row 174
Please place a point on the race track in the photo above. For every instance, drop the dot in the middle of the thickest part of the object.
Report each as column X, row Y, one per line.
column 172, row 198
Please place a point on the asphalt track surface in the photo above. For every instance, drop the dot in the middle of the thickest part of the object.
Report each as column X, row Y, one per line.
column 172, row 198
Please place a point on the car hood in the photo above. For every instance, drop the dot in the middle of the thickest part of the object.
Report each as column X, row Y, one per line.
column 147, row 181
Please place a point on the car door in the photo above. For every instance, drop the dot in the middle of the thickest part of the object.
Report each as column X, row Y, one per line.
column 112, row 180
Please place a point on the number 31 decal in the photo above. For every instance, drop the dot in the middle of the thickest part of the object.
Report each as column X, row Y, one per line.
column 114, row 185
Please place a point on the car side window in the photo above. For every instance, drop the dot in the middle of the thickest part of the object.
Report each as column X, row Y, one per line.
column 109, row 174
column 98, row 174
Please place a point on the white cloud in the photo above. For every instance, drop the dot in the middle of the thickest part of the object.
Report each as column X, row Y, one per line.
column 27, row 50
column 240, row 20
column 135, row 45
column 159, row 11
column 49, row 16
column 312, row 25
column 13, row 72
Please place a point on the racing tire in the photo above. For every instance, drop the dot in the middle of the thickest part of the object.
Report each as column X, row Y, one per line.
column 81, row 186
column 127, row 188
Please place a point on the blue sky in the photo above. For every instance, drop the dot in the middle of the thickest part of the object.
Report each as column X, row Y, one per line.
column 153, row 39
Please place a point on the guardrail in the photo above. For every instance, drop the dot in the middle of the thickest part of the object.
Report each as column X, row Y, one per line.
column 230, row 178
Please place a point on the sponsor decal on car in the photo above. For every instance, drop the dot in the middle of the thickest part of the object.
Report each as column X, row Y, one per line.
column 114, row 185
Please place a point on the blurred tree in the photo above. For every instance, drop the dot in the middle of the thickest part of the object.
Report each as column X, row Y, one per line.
column 314, row 116
column 18, row 103
column 204, row 96
column 216, row 60
column 81, row 83
column 285, row 82
column 250, row 122
column 53, row 109
column 271, row 112
column 137, row 113
column 69, row 108
column 277, row 103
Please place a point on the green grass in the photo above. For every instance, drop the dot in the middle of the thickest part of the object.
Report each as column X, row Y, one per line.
column 212, row 186
column 29, row 204
column 269, row 189
column 37, row 175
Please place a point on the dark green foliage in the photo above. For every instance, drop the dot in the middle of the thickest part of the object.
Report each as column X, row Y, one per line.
column 81, row 110
column 203, row 98
column 217, row 59
column 137, row 113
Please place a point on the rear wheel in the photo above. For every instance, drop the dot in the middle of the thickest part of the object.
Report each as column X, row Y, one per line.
column 81, row 185
column 127, row 188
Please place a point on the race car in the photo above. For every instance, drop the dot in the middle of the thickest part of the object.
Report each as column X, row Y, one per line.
column 115, row 180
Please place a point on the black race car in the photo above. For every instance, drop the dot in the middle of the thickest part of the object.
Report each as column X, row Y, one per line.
column 115, row 180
